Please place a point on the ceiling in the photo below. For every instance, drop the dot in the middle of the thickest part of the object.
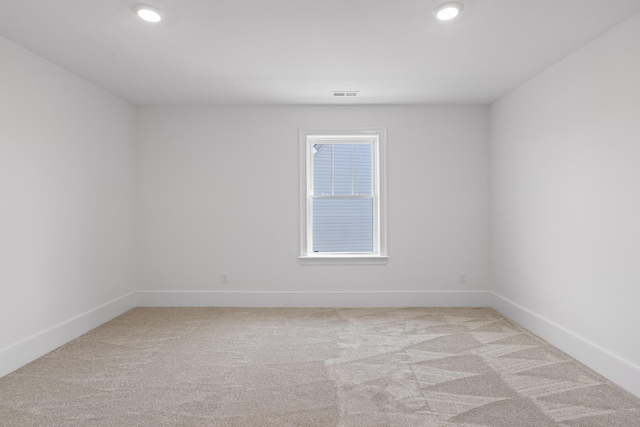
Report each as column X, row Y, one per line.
column 299, row 51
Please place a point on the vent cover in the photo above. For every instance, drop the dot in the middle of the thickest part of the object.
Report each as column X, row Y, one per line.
column 346, row 93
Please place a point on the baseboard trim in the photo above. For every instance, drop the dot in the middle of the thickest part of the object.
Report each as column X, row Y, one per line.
column 619, row 371
column 313, row 299
column 35, row 346
column 623, row 373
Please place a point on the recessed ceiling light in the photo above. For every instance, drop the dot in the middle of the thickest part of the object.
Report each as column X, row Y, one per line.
column 148, row 13
column 448, row 10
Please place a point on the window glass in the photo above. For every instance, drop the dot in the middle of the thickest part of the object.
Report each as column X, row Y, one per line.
column 342, row 224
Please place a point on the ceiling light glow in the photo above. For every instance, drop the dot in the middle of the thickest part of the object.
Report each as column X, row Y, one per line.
column 148, row 13
column 448, row 10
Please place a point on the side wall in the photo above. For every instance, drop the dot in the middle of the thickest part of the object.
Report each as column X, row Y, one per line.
column 67, row 182
column 219, row 192
column 565, row 180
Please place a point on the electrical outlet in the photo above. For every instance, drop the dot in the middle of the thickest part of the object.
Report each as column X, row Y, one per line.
column 225, row 277
column 462, row 277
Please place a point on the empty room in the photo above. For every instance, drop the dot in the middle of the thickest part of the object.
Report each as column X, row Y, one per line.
column 352, row 213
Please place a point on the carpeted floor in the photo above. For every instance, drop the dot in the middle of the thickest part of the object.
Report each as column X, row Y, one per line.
column 311, row 367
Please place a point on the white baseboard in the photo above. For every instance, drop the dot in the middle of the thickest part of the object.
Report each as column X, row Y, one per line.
column 29, row 349
column 313, row 299
column 619, row 371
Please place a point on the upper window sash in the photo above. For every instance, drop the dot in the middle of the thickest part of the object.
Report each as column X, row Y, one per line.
column 313, row 151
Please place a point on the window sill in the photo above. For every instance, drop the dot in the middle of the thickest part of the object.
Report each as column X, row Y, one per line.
column 344, row 260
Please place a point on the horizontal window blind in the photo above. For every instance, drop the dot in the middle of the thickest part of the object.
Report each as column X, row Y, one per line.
column 343, row 225
column 342, row 199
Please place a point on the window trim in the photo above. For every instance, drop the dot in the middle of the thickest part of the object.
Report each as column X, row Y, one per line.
column 379, row 256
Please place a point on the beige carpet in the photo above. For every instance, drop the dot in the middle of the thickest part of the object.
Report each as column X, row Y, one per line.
column 311, row 367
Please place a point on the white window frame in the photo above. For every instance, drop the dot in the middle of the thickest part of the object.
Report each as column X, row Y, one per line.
column 377, row 137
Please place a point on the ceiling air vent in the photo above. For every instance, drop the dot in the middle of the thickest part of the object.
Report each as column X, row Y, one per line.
column 346, row 93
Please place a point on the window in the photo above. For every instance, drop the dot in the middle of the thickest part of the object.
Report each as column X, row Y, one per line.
column 342, row 200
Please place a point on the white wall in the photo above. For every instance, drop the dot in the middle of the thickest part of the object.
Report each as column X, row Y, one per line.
column 565, row 179
column 218, row 191
column 67, row 183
